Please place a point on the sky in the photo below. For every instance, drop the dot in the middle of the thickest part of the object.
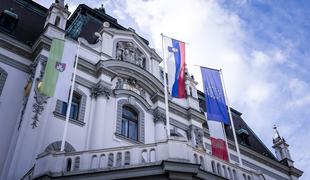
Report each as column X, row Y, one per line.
column 261, row 46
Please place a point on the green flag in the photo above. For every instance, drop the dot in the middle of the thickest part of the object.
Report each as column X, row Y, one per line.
column 48, row 85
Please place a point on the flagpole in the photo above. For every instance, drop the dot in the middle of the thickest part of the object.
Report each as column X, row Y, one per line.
column 231, row 120
column 165, row 88
column 70, row 98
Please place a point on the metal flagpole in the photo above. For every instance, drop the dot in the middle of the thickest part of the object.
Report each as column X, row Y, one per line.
column 70, row 98
column 231, row 120
column 166, row 92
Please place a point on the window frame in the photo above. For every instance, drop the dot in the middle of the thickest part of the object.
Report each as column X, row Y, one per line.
column 141, row 120
column 3, row 77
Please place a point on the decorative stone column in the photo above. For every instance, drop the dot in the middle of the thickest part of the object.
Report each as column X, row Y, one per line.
column 160, row 121
column 101, row 92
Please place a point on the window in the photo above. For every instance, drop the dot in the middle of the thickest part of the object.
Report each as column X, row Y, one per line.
column 3, row 75
column 78, row 107
column 129, row 123
column 77, row 163
column 75, row 106
column 69, row 163
column 57, row 21
column 8, row 20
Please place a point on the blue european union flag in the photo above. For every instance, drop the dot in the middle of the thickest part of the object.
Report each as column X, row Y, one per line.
column 215, row 99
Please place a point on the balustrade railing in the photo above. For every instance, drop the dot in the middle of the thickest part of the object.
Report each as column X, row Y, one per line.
column 96, row 160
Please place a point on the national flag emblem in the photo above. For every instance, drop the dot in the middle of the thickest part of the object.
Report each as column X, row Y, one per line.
column 60, row 66
column 175, row 51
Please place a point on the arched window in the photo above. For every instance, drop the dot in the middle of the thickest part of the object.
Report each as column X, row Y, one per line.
column 249, row 177
column 152, row 155
column 219, row 170
column 196, row 159
column 55, row 147
column 213, row 166
column 129, row 123
column 234, row 174
column 225, row 172
column 102, row 161
column 229, row 173
column 76, row 163
column 127, row 158
column 94, row 162
column 69, row 163
column 202, row 162
column 57, row 21
column 110, row 160
column 118, row 159
column 244, row 176
column 144, row 158
column 3, row 75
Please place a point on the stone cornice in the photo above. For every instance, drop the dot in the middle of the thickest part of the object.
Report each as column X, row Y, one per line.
column 14, row 46
column 124, row 69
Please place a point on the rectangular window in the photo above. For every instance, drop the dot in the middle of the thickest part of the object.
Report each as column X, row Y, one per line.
column 75, row 106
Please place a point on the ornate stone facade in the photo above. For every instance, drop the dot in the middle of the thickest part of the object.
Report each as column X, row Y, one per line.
column 100, row 89
column 159, row 115
column 128, row 51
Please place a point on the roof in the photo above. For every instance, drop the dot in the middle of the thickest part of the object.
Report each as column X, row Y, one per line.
column 31, row 19
column 93, row 20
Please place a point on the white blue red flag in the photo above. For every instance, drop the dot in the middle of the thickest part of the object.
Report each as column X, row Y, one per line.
column 175, row 54
column 216, row 111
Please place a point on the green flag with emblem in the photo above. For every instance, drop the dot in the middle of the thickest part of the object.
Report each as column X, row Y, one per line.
column 53, row 66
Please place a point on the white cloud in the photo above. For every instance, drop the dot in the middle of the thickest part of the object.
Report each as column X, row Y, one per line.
column 256, row 85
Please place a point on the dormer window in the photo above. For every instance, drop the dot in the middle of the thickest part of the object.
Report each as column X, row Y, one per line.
column 244, row 136
column 8, row 20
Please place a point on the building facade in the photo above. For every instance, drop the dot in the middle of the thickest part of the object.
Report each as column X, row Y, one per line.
column 117, row 121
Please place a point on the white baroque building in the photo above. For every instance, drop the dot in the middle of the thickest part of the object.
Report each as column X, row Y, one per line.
column 117, row 122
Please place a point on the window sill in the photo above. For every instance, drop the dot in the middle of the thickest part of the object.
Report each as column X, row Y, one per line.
column 127, row 139
column 73, row 121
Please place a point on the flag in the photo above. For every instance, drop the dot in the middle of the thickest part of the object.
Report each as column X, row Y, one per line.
column 48, row 84
column 216, row 111
column 175, row 58
column 217, row 137
column 66, row 67
column 214, row 94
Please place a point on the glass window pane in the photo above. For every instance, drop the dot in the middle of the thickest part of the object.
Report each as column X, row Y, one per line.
column 124, row 127
column 133, row 130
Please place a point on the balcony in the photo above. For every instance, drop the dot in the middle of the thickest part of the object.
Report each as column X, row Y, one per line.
column 174, row 155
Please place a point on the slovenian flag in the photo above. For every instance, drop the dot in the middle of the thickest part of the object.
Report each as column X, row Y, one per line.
column 216, row 111
column 175, row 54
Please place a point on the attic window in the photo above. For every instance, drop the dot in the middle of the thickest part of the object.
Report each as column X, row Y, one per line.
column 8, row 20
column 244, row 136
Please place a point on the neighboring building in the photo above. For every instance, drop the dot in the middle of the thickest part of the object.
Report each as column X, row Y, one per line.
column 117, row 122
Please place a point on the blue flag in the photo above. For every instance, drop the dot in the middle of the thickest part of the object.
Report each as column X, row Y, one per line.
column 215, row 99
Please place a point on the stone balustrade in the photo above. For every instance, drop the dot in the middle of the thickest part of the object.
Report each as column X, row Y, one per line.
column 175, row 149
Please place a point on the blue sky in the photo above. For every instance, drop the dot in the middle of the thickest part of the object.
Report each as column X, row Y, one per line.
column 262, row 47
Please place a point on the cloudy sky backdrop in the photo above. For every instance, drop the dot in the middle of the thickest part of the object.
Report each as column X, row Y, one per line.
column 261, row 46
